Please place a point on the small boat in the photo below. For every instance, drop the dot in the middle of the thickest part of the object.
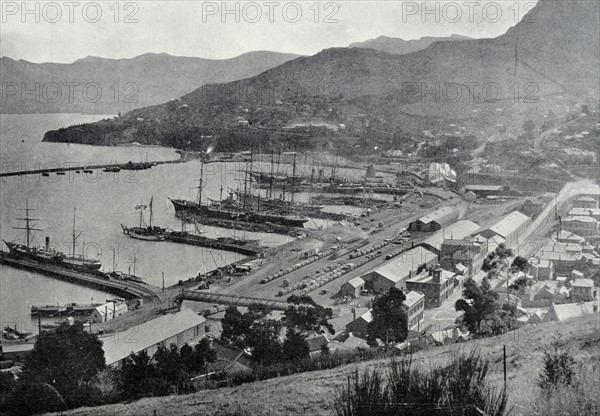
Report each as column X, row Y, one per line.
column 45, row 174
column 113, row 169
column 60, row 173
column 77, row 171
column 88, row 171
column 143, row 231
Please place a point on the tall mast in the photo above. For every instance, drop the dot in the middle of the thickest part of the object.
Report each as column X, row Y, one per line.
column 293, row 178
column 151, row 199
column 74, row 236
column 28, row 227
column 200, row 184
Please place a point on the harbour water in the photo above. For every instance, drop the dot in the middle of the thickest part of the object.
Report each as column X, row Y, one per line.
column 103, row 201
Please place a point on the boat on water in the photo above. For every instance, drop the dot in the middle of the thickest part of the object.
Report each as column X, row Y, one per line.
column 232, row 210
column 47, row 254
column 113, row 169
column 119, row 275
column 147, row 232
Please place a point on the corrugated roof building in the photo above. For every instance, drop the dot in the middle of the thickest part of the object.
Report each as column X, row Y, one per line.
column 178, row 328
column 510, row 227
column 435, row 221
column 394, row 272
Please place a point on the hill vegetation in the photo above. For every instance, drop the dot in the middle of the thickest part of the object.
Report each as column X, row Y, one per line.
column 356, row 89
column 315, row 392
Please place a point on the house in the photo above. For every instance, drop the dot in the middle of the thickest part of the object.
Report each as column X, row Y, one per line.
column 316, row 344
column 414, row 307
column 108, row 311
column 580, row 225
column 589, row 212
column 566, row 311
column 510, row 227
column 358, row 327
column 434, row 221
column 546, row 292
column 394, row 272
column 582, row 290
column 178, row 329
column 436, row 285
column 489, row 244
column 353, row 287
column 537, row 317
column 585, row 202
column 565, row 236
column 447, row 336
column 541, row 269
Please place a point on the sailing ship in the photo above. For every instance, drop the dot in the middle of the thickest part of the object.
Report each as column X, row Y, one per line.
column 47, row 254
column 119, row 275
column 228, row 210
column 143, row 231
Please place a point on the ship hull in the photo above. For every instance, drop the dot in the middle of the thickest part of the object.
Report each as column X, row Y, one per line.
column 52, row 257
column 190, row 208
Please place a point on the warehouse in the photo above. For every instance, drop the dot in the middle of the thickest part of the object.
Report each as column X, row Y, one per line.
column 435, row 221
column 455, row 231
column 178, row 329
column 394, row 273
column 509, row 228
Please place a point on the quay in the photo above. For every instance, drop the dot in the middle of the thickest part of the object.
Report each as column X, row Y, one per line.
column 112, row 166
column 245, row 226
column 182, row 238
column 127, row 290
column 71, row 309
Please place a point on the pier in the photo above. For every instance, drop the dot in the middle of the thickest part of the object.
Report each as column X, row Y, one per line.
column 127, row 290
column 113, row 166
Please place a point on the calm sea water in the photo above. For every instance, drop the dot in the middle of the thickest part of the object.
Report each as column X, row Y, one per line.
column 102, row 201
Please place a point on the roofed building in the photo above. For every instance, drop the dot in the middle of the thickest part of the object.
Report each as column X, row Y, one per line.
column 463, row 256
column 483, row 191
column 457, row 230
column 586, row 212
column 583, row 290
column 414, row 307
column 108, row 311
column 565, row 236
column 567, row 311
column 585, row 202
column 178, row 329
column 353, row 287
column 437, row 285
column 394, row 272
column 434, row 221
column 510, row 227
column 580, row 225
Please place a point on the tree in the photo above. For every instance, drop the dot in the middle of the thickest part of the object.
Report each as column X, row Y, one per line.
column 65, row 361
column 169, row 365
column 233, row 327
column 295, row 347
column 140, row 378
column 558, row 366
column 479, row 303
column 204, row 354
column 390, row 323
column 263, row 338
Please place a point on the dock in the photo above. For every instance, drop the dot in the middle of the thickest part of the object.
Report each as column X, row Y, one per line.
column 112, row 166
column 246, row 250
column 127, row 290
column 70, row 309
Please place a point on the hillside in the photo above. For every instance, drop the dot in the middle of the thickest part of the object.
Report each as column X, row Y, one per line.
column 123, row 84
column 397, row 46
column 542, row 57
column 312, row 393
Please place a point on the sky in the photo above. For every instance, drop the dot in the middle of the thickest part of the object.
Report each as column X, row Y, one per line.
column 64, row 31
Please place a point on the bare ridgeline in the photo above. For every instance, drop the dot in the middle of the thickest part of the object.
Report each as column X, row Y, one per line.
column 393, row 227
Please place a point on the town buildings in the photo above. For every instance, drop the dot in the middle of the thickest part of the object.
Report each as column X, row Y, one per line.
column 580, row 225
column 436, row 285
column 585, row 202
column 583, row 290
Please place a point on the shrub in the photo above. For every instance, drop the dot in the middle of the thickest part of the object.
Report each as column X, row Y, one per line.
column 459, row 388
column 559, row 366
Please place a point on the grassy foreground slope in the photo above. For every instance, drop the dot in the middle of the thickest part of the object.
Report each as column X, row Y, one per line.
column 313, row 393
